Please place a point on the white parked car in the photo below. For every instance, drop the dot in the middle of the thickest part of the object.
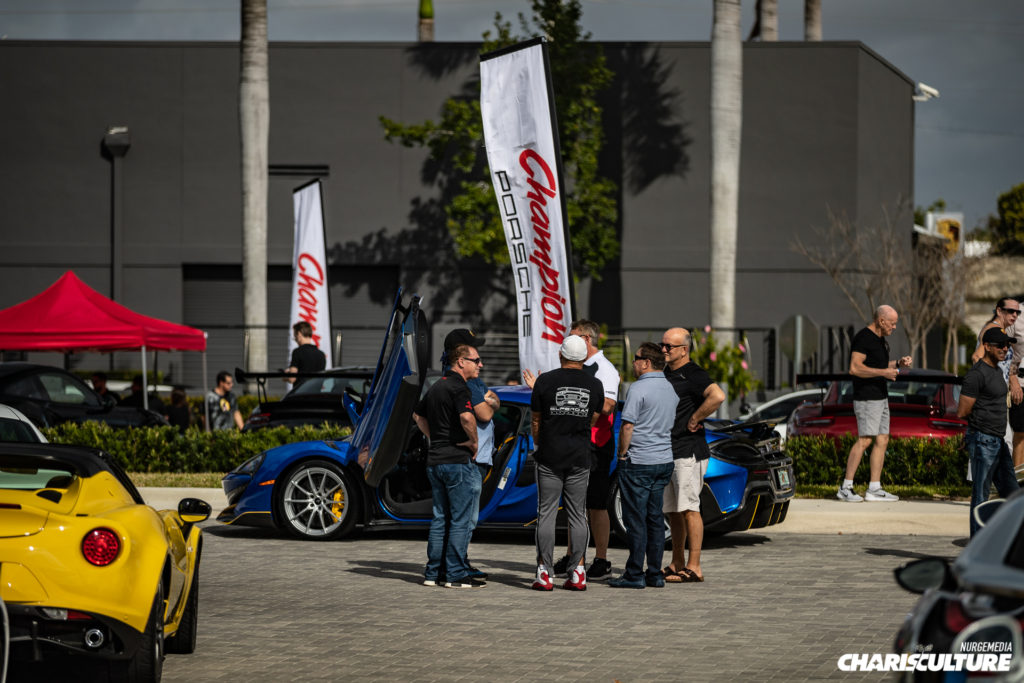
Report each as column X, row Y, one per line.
column 780, row 408
column 14, row 426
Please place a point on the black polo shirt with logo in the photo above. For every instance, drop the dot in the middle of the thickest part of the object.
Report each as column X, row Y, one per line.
column 443, row 407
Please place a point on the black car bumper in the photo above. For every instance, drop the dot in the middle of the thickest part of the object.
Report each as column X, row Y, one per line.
column 33, row 633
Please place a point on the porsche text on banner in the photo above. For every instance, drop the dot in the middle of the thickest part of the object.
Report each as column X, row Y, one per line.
column 522, row 153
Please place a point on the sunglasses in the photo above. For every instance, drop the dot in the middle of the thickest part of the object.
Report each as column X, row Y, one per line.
column 1012, row 311
column 669, row 347
column 1001, row 345
column 636, row 358
column 476, row 360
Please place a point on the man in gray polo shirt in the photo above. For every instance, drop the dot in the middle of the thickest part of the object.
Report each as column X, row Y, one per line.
column 645, row 467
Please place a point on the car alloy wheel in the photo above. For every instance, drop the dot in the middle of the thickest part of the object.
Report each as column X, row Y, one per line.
column 317, row 501
column 618, row 522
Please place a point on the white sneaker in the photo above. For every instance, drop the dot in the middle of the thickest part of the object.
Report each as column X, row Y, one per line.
column 880, row 496
column 848, row 495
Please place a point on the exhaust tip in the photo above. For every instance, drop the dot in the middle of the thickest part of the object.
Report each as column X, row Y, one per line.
column 94, row 638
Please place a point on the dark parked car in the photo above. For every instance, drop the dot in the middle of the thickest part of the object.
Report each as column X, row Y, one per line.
column 973, row 604
column 333, row 396
column 49, row 396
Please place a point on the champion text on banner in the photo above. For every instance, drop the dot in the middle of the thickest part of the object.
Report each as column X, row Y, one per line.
column 309, row 300
column 522, row 154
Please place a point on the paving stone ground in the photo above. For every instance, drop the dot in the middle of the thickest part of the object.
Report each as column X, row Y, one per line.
column 774, row 606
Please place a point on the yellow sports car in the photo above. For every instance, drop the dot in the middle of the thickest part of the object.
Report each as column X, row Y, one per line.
column 86, row 567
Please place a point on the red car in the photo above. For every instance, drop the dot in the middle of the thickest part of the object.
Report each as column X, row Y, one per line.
column 922, row 403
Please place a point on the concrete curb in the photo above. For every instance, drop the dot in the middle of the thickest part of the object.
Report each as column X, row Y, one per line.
column 806, row 515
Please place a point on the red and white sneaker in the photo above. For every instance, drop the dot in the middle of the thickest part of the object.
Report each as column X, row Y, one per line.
column 543, row 581
column 577, row 581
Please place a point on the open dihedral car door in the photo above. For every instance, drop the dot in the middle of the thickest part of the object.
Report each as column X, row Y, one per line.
column 383, row 427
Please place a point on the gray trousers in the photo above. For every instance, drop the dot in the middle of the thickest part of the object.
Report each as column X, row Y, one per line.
column 571, row 486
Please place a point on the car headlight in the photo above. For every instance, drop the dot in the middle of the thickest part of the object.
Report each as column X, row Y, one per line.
column 251, row 465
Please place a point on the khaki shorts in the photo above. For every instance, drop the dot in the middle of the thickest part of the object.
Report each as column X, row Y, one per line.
column 682, row 494
column 872, row 417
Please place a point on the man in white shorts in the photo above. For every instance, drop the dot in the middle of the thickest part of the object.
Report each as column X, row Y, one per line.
column 699, row 397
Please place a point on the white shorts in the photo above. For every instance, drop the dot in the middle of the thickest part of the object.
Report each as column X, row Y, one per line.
column 682, row 493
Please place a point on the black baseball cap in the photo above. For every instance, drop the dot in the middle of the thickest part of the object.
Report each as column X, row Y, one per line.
column 462, row 336
column 994, row 335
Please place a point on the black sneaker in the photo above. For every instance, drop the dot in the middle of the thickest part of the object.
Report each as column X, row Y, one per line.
column 467, row 582
column 475, row 573
column 599, row 568
column 562, row 566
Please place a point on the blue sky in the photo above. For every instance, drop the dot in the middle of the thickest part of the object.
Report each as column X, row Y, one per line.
column 969, row 142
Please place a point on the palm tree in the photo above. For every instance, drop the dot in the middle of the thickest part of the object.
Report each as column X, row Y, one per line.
column 726, row 125
column 254, row 120
column 812, row 20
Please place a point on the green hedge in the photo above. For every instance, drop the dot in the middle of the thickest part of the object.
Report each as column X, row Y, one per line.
column 164, row 449
column 930, row 462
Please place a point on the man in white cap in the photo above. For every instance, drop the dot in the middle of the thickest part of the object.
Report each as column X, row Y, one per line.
column 565, row 404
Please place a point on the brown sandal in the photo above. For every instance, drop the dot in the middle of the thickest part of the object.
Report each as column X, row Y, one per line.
column 671, row 575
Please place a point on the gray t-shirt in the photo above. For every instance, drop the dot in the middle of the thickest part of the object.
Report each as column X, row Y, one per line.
column 985, row 384
column 222, row 410
column 651, row 407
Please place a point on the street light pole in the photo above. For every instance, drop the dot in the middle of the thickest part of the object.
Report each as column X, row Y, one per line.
column 115, row 144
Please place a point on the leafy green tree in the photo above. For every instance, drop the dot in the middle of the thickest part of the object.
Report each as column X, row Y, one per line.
column 458, row 163
column 921, row 214
column 1007, row 228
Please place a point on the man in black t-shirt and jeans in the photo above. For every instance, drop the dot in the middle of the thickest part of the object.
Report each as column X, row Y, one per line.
column 871, row 370
column 983, row 403
column 445, row 416
column 565, row 404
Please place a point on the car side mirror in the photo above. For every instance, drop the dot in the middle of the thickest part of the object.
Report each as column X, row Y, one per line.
column 194, row 510
column 984, row 512
column 921, row 575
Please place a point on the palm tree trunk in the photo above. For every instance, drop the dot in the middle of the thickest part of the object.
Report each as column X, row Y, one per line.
column 726, row 127
column 769, row 17
column 254, row 120
column 812, row 20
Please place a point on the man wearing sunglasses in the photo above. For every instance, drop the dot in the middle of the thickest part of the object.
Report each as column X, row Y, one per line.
column 445, row 415
column 1006, row 317
column 699, row 397
column 983, row 403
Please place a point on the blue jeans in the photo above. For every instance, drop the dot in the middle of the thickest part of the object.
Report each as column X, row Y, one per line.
column 642, row 488
column 456, row 493
column 990, row 463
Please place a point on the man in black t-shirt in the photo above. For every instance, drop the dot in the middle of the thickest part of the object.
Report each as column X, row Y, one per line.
column 565, row 404
column 699, row 397
column 306, row 357
column 872, row 370
column 983, row 403
column 446, row 416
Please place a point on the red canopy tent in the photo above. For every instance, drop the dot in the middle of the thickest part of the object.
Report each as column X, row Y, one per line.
column 71, row 316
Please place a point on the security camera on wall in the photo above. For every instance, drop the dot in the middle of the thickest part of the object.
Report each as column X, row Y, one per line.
column 924, row 92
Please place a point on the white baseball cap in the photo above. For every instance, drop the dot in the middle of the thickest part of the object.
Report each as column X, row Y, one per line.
column 573, row 348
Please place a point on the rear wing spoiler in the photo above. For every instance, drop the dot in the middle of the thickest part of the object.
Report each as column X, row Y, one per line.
column 838, row 377
column 261, row 378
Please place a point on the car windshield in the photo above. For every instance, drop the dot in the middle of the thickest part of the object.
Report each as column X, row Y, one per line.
column 16, row 431
column 30, row 478
column 909, row 392
column 332, row 385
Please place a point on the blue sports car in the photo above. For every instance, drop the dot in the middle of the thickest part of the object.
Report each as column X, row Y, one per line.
column 377, row 477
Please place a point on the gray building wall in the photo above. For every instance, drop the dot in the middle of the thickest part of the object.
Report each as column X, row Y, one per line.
column 826, row 125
